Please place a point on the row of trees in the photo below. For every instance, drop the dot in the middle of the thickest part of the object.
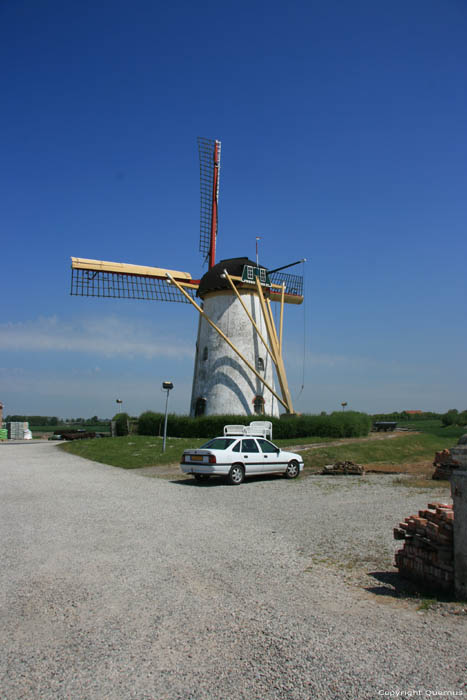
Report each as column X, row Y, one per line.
column 404, row 416
column 451, row 417
column 149, row 423
column 54, row 420
column 454, row 417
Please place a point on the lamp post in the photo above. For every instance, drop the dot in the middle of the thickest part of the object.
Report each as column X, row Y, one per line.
column 113, row 424
column 166, row 386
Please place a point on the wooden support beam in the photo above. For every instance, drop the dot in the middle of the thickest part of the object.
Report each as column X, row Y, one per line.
column 253, row 322
column 281, row 317
column 281, row 375
column 271, row 318
column 229, row 343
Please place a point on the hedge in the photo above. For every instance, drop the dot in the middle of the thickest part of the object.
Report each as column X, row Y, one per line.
column 338, row 424
column 121, row 423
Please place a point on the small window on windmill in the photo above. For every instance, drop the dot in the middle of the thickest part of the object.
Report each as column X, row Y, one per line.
column 260, row 364
column 250, row 274
column 258, row 405
column 205, row 352
column 200, row 407
column 262, row 275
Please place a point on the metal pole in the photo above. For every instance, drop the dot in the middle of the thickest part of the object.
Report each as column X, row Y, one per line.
column 165, row 421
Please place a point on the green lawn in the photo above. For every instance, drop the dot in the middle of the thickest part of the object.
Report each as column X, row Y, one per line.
column 135, row 451
column 434, row 426
column 401, row 453
column 132, row 451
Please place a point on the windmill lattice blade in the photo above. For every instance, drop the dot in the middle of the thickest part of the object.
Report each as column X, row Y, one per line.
column 206, row 148
column 91, row 283
column 293, row 283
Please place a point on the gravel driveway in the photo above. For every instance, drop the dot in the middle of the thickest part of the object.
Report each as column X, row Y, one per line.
column 115, row 585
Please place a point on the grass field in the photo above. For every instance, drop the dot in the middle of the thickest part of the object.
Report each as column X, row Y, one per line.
column 394, row 454
column 433, row 427
column 136, row 451
column 401, row 453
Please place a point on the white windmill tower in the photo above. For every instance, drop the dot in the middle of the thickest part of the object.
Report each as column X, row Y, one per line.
column 238, row 349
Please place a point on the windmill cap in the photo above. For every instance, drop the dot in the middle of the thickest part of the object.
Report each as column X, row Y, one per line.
column 214, row 281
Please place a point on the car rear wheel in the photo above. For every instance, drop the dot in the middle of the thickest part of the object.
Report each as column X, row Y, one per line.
column 293, row 470
column 236, row 475
column 201, row 477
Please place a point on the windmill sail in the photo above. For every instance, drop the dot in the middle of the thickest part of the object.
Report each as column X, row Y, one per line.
column 98, row 278
column 293, row 285
column 209, row 163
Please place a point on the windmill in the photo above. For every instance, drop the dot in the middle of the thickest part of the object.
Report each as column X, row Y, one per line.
column 238, row 348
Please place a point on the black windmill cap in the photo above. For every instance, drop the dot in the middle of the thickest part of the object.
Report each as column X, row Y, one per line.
column 212, row 280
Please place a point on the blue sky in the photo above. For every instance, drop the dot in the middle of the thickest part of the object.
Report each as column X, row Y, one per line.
column 343, row 129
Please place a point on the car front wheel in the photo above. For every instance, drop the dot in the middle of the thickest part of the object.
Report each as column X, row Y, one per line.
column 236, row 475
column 293, row 470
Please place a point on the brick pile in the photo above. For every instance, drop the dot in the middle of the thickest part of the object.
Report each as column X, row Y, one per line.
column 343, row 468
column 444, row 465
column 427, row 556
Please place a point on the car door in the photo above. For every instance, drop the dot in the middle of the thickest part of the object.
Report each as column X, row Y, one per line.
column 251, row 456
column 270, row 454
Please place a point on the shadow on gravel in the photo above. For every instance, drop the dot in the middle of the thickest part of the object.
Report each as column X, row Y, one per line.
column 220, row 481
column 395, row 586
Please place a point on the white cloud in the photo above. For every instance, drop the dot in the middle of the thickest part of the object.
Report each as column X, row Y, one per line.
column 106, row 336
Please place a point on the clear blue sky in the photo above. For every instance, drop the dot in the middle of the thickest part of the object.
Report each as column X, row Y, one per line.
column 343, row 129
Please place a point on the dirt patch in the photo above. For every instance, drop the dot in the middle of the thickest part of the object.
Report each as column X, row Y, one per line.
column 347, row 441
column 423, row 467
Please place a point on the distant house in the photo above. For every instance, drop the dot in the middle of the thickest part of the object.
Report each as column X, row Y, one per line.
column 413, row 413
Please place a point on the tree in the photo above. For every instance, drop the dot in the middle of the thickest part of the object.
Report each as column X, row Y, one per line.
column 450, row 417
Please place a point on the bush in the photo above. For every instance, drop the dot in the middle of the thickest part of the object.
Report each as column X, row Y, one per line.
column 121, row 423
column 453, row 417
column 450, row 417
column 338, row 424
column 150, row 423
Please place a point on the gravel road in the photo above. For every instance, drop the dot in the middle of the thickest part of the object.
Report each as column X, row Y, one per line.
column 114, row 585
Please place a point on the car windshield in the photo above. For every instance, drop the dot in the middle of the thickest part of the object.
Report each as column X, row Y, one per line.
column 220, row 443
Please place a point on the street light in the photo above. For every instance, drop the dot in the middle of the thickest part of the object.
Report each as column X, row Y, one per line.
column 166, row 386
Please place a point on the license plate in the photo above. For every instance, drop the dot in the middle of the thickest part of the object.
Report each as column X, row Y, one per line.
column 196, row 458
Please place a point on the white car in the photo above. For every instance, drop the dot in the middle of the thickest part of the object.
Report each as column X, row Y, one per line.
column 237, row 457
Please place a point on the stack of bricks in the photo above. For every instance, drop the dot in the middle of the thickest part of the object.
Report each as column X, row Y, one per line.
column 427, row 554
column 444, row 465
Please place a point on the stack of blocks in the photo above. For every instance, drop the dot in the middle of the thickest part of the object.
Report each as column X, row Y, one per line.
column 427, row 554
column 444, row 465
